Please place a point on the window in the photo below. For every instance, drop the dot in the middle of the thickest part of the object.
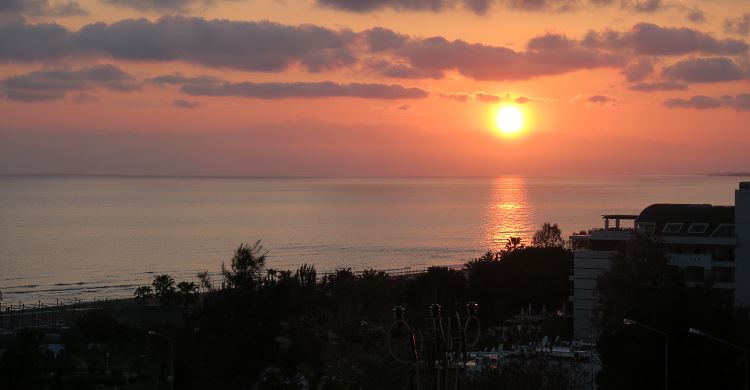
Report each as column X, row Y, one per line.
column 724, row 230
column 723, row 253
column 647, row 228
column 694, row 274
column 698, row 228
column 672, row 227
column 723, row 274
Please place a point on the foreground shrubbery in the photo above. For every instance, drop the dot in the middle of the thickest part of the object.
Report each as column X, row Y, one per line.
column 262, row 328
column 266, row 326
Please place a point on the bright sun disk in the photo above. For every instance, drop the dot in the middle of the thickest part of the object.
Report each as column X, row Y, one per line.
column 509, row 120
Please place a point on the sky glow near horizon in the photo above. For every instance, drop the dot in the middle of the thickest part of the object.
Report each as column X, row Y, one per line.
column 385, row 88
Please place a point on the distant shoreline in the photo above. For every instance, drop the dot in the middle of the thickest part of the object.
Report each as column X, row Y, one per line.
column 729, row 174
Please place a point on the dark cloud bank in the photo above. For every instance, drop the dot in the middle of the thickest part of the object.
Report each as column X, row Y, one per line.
column 272, row 47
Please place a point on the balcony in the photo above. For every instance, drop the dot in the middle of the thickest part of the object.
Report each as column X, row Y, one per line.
column 684, row 260
column 621, row 234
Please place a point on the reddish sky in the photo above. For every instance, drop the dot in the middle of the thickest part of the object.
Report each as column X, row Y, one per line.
column 373, row 87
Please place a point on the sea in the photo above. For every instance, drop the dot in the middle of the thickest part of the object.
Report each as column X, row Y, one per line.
column 66, row 238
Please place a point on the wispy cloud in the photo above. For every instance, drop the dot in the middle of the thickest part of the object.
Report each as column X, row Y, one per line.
column 180, row 103
column 55, row 84
column 739, row 25
column 596, row 100
column 658, row 86
column 39, row 8
column 306, row 90
column 740, row 102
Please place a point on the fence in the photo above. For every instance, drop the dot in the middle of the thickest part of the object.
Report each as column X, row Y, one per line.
column 40, row 315
column 62, row 314
column 395, row 272
column 215, row 278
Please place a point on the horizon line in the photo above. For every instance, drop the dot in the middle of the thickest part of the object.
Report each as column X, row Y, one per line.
column 219, row 176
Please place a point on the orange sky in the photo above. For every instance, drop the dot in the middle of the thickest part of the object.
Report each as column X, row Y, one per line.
column 325, row 87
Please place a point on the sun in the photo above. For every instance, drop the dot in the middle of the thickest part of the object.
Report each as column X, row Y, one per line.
column 509, row 120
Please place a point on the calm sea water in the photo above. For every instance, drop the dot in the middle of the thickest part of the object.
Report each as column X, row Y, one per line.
column 86, row 237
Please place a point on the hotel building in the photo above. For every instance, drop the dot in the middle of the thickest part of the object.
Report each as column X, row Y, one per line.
column 709, row 242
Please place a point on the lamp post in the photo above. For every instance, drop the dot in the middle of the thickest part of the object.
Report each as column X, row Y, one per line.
column 170, row 378
column 630, row 322
column 742, row 349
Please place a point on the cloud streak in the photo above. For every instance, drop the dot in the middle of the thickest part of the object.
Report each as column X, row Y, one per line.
column 159, row 5
column 481, row 7
column 596, row 100
column 658, row 86
column 38, row 8
column 181, row 103
column 54, row 84
column 740, row 102
column 305, row 90
column 485, row 97
column 361, row 6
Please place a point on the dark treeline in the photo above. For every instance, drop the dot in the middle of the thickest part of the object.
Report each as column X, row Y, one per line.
column 263, row 328
column 270, row 327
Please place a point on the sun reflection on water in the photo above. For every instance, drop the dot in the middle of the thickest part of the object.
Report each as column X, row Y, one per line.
column 509, row 212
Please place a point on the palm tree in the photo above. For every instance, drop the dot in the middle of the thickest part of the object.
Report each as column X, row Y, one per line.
column 246, row 267
column 188, row 292
column 205, row 281
column 514, row 243
column 142, row 293
column 164, row 288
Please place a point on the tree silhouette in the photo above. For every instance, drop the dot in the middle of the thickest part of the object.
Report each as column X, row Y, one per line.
column 513, row 243
column 504, row 283
column 549, row 236
column 142, row 293
column 306, row 276
column 164, row 288
column 188, row 292
column 246, row 267
column 204, row 279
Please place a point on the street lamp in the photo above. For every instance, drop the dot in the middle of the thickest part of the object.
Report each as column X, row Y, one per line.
column 699, row 332
column 170, row 378
column 630, row 322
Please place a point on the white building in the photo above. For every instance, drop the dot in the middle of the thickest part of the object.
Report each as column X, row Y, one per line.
column 709, row 242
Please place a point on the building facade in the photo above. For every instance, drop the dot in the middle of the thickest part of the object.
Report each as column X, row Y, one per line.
column 709, row 242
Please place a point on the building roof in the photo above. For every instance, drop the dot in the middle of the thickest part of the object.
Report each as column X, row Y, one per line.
column 692, row 218
column 619, row 216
